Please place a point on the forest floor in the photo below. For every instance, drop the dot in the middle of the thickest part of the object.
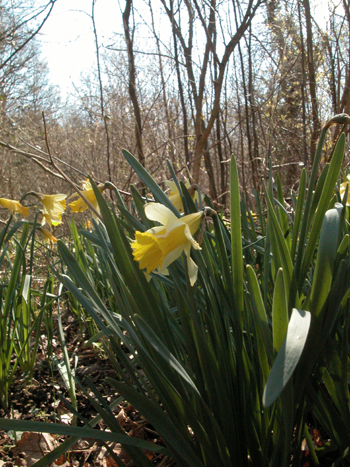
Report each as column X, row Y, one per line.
column 40, row 401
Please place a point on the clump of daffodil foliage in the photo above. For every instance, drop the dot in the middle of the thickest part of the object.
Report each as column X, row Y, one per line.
column 236, row 328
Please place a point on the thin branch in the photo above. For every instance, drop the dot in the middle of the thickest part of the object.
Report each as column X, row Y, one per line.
column 35, row 158
column 68, row 180
column 5, row 62
column 108, row 47
column 101, row 92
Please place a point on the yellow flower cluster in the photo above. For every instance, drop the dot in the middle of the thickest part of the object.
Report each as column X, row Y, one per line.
column 53, row 206
column 154, row 249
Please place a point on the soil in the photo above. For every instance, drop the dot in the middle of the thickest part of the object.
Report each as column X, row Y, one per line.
column 41, row 400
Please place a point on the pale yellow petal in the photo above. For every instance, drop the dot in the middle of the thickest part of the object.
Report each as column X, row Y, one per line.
column 172, row 186
column 158, row 230
column 191, row 240
column 175, row 196
column 53, row 207
column 192, row 270
column 79, row 205
column 159, row 213
column 172, row 256
column 14, row 206
column 176, row 200
column 193, row 221
column 173, row 223
column 163, row 271
column 342, row 190
column 86, row 184
column 58, row 197
column 48, row 235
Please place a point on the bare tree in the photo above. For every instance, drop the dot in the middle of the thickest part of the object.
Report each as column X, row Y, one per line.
column 164, row 94
column 132, row 80
column 208, row 17
column 104, row 116
column 24, row 87
column 19, row 25
column 312, row 79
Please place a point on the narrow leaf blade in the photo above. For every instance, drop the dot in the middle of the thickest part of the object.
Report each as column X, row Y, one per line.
column 288, row 356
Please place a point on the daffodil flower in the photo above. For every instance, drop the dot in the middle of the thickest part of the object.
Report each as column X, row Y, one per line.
column 253, row 216
column 53, row 207
column 175, row 196
column 160, row 246
column 48, row 235
column 14, row 206
column 342, row 189
column 79, row 205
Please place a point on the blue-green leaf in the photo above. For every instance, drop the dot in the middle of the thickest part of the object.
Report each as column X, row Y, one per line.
column 288, row 356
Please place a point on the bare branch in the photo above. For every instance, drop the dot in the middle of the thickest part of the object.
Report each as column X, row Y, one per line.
column 32, row 35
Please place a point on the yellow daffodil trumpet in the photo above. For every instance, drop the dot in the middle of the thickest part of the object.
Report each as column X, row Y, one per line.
column 14, row 206
column 79, row 205
column 160, row 246
column 53, row 207
column 175, row 196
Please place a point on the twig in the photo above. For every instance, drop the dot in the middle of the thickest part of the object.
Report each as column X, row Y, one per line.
column 68, row 180
column 18, row 49
column 35, row 158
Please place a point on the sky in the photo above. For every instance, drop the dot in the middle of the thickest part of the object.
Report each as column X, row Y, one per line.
column 67, row 39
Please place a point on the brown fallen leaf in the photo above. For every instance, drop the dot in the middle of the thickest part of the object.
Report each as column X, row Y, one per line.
column 32, row 447
column 62, row 461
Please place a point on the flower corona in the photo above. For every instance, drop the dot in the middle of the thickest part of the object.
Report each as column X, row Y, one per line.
column 79, row 205
column 53, row 207
column 14, row 206
column 160, row 246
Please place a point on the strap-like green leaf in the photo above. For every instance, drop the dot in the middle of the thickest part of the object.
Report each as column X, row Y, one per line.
column 63, row 429
column 260, row 312
column 288, row 356
column 279, row 311
column 281, row 248
column 326, row 254
column 155, row 189
column 236, row 238
column 327, row 193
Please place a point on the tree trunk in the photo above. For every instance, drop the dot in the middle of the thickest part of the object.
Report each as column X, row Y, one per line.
column 132, row 83
column 202, row 132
